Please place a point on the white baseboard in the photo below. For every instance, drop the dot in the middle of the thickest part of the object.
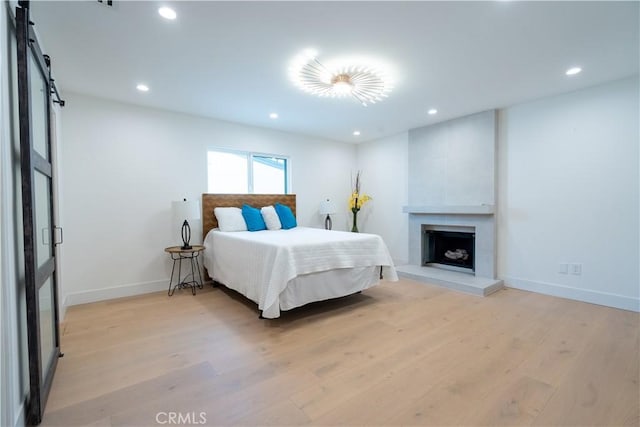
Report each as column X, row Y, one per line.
column 585, row 295
column 94, row 295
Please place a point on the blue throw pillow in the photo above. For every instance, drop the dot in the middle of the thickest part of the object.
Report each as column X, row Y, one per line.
column 253, row 218
column 286, row 216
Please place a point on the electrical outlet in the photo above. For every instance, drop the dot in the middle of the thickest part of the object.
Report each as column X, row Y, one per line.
column 576, row 269
column 563, row 268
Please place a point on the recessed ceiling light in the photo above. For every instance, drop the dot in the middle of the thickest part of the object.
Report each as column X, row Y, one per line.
column 273, row 115
column 142, row 87
column 573, row 71
column 432, row 111
column 167, row 13
column 356, row 133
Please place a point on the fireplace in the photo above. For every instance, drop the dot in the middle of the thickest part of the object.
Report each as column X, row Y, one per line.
column 475, row 223
column 449, row 249
column 472, row 229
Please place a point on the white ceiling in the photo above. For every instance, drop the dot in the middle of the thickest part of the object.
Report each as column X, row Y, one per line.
column 229, row 60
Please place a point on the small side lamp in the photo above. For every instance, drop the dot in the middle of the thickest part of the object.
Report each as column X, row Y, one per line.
column 186, row 210
column 327, row 207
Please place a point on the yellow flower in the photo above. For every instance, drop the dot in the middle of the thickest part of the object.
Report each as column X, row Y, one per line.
column 362, row 200
column 357, row 200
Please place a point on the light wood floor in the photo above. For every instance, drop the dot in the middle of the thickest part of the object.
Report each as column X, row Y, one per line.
column 402, row 353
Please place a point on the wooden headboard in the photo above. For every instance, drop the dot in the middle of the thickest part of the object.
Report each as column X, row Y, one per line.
column 211, row 201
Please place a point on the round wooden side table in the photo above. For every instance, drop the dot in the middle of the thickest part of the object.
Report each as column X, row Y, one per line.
column 178, row 255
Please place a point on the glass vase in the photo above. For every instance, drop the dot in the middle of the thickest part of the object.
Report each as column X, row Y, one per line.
column 354, row 228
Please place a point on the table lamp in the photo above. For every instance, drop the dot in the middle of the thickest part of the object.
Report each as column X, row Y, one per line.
column 327, row 207
column 186, row 210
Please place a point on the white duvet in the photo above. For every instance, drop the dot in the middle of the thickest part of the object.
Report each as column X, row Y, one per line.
column 260, row 264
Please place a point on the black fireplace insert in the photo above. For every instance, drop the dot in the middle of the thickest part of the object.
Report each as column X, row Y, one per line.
column 452, row 248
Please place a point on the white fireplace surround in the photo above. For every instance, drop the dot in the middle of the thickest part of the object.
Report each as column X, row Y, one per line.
column 452, row 183
column 481, row 220
column 482, row 223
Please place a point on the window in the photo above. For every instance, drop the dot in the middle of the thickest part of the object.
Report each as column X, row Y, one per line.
column 242, row 172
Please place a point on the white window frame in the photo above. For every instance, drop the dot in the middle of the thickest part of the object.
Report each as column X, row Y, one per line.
column 249, row 155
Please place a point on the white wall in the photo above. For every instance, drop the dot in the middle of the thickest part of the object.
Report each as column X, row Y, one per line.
column 384, row 167
column 569, row 193
column 124, row 164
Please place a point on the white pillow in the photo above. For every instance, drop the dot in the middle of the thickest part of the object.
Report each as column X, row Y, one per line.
column 230, row 219
column 271, row 218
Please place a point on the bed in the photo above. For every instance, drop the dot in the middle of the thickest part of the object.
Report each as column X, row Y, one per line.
column 284, row 269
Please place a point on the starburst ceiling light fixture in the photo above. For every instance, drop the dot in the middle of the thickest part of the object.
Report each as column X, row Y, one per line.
column 366, row 83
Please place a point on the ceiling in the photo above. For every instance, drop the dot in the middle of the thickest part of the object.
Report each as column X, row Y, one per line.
column 230, row 60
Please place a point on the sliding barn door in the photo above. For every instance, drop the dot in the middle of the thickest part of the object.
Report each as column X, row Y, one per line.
column 34, row 96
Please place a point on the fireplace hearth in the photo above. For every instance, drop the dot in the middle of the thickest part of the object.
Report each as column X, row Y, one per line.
column 449, row 248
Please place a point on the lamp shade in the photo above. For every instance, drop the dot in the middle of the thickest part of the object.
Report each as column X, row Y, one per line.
column 186, row 209
column 327, row 207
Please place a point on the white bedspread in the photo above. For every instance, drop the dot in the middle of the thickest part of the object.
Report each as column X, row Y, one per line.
column 260, row 264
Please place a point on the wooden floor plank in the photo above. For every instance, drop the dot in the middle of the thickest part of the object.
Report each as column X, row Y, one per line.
column 519, row 403
column 164, row 386
column 601, row 387
column 402, row 353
